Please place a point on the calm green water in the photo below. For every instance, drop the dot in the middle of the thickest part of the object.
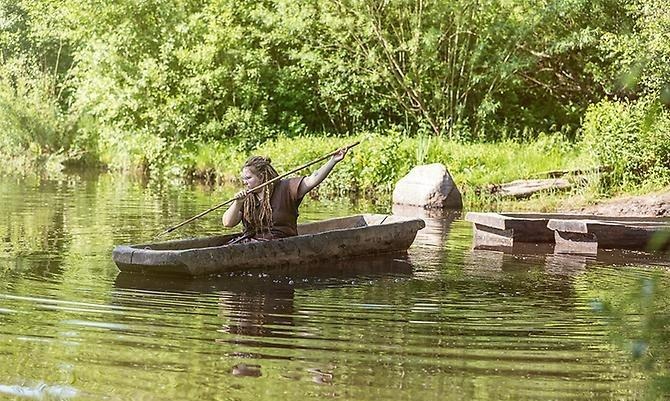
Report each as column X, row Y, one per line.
column 445, row 323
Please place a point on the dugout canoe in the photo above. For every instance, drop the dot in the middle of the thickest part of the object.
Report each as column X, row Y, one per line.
column 588, row 235
column 340, row 238
column 568, row 233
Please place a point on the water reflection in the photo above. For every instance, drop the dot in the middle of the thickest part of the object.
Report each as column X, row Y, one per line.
column 638, row 322
column 261, row 282
column 438, row 224
column 259, row 303
column 431, row 242
column 40, row 391
column 560, row 264
column 247, row 370
column 321, row 377
column 257, row 310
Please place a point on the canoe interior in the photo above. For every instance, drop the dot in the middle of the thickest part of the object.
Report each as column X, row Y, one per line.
column 343, row 223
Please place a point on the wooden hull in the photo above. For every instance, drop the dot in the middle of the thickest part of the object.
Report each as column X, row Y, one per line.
column 586, row 236
column 511, row 230
column 341, row 238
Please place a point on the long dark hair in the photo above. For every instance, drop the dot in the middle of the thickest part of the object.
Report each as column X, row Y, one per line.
column 259, row 214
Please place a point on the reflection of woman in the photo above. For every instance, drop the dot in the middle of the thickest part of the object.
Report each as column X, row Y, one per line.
column 260, row 313
column 272, row 211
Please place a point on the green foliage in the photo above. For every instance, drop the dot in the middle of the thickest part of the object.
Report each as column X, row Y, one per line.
column 33, row 131
column 633, row 140
column 34, row 64
column 562, row 67
column 188, row 71
column 640, row 64
column 178, row 87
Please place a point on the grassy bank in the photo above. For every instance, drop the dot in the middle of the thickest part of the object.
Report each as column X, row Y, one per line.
column 379, row 162
column 374, row 166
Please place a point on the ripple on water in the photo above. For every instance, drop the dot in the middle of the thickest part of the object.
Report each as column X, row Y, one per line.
column 39, row 391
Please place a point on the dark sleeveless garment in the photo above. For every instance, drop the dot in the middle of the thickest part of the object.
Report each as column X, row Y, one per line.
column 284, row 203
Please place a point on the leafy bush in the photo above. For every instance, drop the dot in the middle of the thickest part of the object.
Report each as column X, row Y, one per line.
column 631, row 138
column 33, row 130
column 640, row 54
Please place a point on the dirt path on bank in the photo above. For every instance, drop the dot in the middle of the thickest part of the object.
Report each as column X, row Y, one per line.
column 651, row 205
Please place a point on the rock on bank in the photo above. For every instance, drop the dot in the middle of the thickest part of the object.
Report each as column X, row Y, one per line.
column 429, row 186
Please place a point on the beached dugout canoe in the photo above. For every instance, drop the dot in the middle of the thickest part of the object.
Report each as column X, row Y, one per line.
column 340, row 238
column 568, row 233
column 588, row 235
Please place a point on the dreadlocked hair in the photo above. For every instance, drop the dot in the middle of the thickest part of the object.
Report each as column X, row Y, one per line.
column 259, row 214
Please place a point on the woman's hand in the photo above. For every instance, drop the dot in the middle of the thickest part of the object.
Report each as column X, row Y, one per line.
column 339, row 155
column 241, row 195
column 233, row 215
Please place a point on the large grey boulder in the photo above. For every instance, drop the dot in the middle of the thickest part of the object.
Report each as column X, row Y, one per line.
column 429, row 186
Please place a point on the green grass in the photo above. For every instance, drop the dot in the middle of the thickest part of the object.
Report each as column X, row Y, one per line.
column 374, row 166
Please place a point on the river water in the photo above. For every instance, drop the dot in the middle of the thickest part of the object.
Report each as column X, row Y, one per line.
column 446, row 322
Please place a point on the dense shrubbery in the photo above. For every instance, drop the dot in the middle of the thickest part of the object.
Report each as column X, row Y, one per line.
column 629, row 134
column 632, row 140
column 33, row 131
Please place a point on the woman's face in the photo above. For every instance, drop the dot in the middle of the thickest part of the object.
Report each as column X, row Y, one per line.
column 250, row 179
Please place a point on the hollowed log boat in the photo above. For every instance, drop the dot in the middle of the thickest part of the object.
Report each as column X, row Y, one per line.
column 340, row 238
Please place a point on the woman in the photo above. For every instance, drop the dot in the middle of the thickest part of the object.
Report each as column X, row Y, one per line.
column 272, row 211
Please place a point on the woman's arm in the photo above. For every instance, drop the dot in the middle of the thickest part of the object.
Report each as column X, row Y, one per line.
column 233, row 215
column 310, row 182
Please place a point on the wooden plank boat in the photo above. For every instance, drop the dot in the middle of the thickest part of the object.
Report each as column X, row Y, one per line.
column 588, row 235
column 340, row 238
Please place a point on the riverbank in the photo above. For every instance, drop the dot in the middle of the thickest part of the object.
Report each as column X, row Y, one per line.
column 373, row 167
column 655, row 204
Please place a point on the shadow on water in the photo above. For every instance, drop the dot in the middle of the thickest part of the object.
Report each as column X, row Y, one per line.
column 552, row 268
column 562, row 263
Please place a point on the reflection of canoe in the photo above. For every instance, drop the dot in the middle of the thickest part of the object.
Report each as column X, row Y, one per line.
column 305, row 276
column 341, row 238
